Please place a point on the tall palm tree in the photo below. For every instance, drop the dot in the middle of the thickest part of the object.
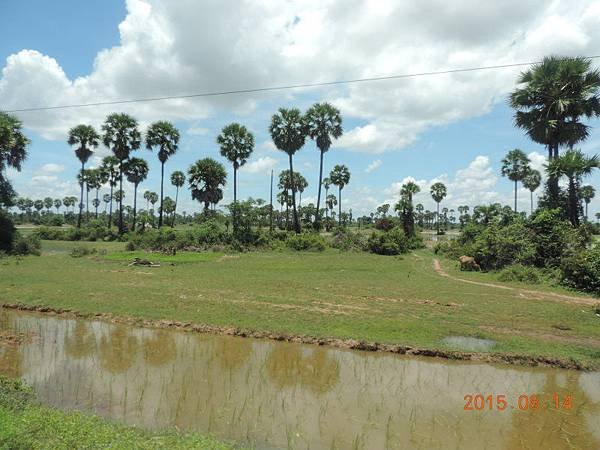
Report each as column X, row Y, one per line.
column 531, row 182
column 515, row 166
column 407, row 192
column 106, row 198
column 136, row 171
column 324, row 123
column 288, row 131
column 57, row 204
column 553, row 98
column 94, row 182
column 438, row 192
column 165, row 136
column 122, row 136
column 587, row 193
column 574, row 165
column 177, row 180
column 110, row 167
column 236, row 144
column 340, row 177
column 206, row 178
column 86, row 139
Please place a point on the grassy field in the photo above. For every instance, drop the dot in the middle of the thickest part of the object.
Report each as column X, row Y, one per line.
column 25, row 424
column 400, row 300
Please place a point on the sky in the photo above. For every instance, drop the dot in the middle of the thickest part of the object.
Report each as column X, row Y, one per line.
column 453, row 128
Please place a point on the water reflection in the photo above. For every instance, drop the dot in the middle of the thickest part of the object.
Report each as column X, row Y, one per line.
column 278, row 395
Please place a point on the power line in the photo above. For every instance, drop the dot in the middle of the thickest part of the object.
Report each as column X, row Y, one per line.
column 280, row 88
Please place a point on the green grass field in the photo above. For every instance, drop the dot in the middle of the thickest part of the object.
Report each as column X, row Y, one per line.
column 400, row 300
column 24, row 424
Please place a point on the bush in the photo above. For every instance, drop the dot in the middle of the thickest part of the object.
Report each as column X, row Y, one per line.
column 384, row 224
column 81, row 250
column 450, row 248
column 582, row 271
column 392, row 242
column 554, row 237
column 8, row 232
column 306, row 241
column 344, row 239
column 518, row 272
column 26, row 245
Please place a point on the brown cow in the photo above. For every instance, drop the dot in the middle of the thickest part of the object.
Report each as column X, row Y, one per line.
column 468, row 263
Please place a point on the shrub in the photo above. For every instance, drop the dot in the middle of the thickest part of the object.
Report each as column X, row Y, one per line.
column 26, row 245
column 344, row 239
column 384, row 224
column 518, row 272
column 450, row 248
column 81, row 250
column 306, row 241
column 582, row 271
column 553, row 237
column 392, row 242
column 8, row 232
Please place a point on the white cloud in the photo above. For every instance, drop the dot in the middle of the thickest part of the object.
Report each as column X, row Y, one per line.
column 52, row 168
column 373, row 166
column 261, row 165
column 197, row 130
column 171, row 48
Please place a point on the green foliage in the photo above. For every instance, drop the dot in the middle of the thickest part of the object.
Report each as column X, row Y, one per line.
column 520, row 273
column 81, row 250
column 553, row 237
column 12, row 242
column 347, row 240
column 393, row 242
column 582, row 270
column 26, row 245
column 306, row 241
column 8, row 232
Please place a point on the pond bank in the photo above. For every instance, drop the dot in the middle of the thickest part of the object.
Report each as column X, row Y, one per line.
column 352, row 344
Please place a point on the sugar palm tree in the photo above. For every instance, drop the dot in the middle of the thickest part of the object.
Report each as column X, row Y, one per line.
column 531, row 182
column 236, row 144
column 136, row 171
column 110, row 167
column 407, row 192
column 106, row 198
column 177, row 180
column 324, row 123
column 206, row 178
column 57, row 204
column 574, row 165
column 515, row 166
column 587, row 193
column 330, row 201
column 122, row 136
column 550, row 102
column 288, row 131
column 340, row 177
column 86, row 139
column 326, row 183
column 95, row 180
column 165, row 136
column 438, row 193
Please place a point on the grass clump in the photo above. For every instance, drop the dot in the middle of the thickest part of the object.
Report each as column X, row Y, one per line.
column 520, row 273
column 25, row 424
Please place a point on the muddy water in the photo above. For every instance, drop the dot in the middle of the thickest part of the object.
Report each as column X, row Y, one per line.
column 281, row 395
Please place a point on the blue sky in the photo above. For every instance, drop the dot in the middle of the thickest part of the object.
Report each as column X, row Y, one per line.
column 453, row 128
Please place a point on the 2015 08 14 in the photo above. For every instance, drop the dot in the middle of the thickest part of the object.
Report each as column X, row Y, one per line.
column 524, row 402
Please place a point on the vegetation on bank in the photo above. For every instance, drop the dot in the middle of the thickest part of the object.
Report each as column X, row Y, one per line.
column 26, row 424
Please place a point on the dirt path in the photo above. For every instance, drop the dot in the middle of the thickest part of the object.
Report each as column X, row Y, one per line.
column 525, row 293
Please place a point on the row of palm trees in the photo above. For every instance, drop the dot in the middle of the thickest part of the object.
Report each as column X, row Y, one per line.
column 289, row 130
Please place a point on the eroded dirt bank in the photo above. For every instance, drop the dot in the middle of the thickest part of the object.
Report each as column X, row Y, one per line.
column 507, row 358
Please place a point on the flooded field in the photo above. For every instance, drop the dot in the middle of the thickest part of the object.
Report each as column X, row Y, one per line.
column 281, row 395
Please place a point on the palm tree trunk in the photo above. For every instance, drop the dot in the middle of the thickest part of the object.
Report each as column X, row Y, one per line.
column 531, row 192
column 437, row 219
column 111, row 202
column 271, row 208
column 340, row 206
column 586, row 211
column 573, row 214
column 162, row 177
column 80, row 198
column 87, row 204
column 234, row 199
column 97, row 202
column 175, row 209
column 121, row 197
column 515, row 195
column 317, row 215
column 296, row 222
column 135, row 186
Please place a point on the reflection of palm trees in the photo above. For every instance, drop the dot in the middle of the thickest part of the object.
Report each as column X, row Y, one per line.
column 232, row 352
column 81, row 342
column 288, row 366
column 550, row 428
column 10, row 360
column 160, row 348
column 118, row 350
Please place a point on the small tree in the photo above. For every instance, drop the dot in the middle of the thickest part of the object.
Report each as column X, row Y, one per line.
column 340, row 177
column 177, row 180
column 438, row 193
column 515, row 166
column 531, row 182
